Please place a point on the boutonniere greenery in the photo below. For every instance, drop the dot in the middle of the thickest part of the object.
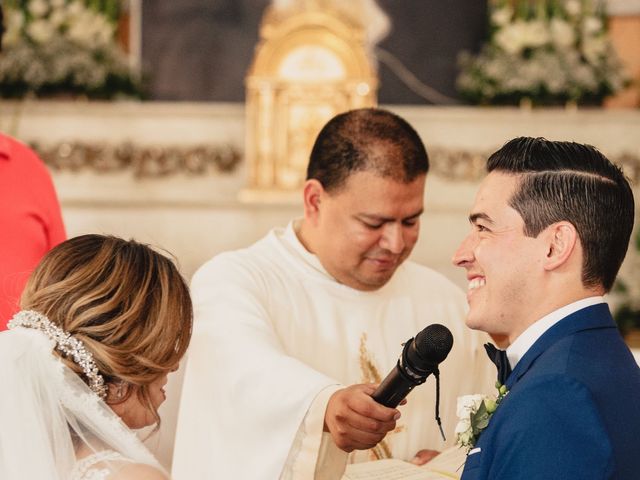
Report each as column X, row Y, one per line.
column 474, row 413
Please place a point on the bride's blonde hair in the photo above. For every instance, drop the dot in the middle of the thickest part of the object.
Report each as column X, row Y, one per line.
column 126, row 302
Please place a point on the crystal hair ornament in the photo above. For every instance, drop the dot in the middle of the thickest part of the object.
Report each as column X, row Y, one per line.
column 66, row 343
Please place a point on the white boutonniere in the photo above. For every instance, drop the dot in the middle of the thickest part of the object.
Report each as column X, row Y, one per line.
column 474, row 413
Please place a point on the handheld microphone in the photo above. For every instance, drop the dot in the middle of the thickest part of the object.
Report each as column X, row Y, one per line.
column 419, row 359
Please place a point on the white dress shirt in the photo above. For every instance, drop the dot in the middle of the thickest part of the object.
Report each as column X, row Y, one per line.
column 524, row 342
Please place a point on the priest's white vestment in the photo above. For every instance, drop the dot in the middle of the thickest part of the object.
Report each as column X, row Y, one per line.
column 275, row 335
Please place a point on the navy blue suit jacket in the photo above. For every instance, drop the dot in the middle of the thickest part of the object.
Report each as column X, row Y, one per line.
column 572, row 411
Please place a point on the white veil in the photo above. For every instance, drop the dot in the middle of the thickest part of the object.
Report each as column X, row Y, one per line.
column 48, row 414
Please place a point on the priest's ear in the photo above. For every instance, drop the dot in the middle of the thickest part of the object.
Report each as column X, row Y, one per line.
column 562, row 246
column 312, row 194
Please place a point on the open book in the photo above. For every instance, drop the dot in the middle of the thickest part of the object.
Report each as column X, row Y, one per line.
column 446, row 466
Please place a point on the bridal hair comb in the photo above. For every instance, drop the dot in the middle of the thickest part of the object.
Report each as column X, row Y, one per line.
column 66, row 343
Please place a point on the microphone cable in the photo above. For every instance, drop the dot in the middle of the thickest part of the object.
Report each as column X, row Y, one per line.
column 437, row 375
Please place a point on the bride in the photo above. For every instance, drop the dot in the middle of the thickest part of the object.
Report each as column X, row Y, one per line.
column 104, row 321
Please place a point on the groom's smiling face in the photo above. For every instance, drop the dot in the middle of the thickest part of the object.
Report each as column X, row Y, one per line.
column 502, row 263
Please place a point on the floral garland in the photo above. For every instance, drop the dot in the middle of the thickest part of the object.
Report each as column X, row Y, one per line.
column 64, row 47
column 474, row 413
column 548, row 52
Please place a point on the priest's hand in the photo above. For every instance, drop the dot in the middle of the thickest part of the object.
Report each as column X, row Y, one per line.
column 355, row 420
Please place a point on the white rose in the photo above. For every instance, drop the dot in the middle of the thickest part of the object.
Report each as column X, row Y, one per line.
column 103, row 31
column 535, row 34
column 75, row 8
column 517, row 36
column 91, row 29
column 561, row 33
column 501, row 16
column 510, row 38
column 591, row 26
column 468, row 404
column 40, row 31
column 573, row 7
column 38, row 8
column 81, row 29
column 58, row 17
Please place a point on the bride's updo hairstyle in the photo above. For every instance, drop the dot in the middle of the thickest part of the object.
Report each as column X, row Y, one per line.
column 126, row 302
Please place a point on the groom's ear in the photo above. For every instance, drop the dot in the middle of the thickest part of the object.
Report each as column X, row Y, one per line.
column 561, row 240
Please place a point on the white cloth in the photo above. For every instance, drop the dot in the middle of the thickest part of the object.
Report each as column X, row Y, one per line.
column 49, row 418
column 275, row 335
column 526, row 339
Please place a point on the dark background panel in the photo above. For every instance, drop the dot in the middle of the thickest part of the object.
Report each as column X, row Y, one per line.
column 426, row 37
column 200, row 50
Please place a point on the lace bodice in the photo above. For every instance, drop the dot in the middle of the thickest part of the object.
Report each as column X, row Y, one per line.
column 98, row 466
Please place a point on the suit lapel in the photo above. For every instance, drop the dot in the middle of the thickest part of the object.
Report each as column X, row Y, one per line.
column 595, row 316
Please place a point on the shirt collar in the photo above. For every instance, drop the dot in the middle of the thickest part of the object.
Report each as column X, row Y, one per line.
column 519, row 347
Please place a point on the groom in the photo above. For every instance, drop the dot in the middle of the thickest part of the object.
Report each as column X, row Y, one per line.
column 550, row 228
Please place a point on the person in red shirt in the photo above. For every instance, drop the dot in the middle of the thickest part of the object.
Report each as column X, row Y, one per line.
column 30, row 217
column 30, row 220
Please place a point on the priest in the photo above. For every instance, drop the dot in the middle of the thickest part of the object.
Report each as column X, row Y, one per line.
column 292, row 333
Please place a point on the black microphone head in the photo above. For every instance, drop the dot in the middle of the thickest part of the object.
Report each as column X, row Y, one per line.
column 431, row 346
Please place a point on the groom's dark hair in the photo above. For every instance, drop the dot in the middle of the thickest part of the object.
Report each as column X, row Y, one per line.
column 575, row 183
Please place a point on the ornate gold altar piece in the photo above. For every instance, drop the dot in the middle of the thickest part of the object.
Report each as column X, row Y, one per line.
column 309, row 65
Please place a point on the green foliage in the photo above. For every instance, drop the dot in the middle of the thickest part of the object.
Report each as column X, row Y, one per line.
column 480, row 419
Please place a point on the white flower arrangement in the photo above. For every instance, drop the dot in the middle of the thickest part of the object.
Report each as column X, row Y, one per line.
column 474, row 413
column 63, row 47
column 547, row 51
